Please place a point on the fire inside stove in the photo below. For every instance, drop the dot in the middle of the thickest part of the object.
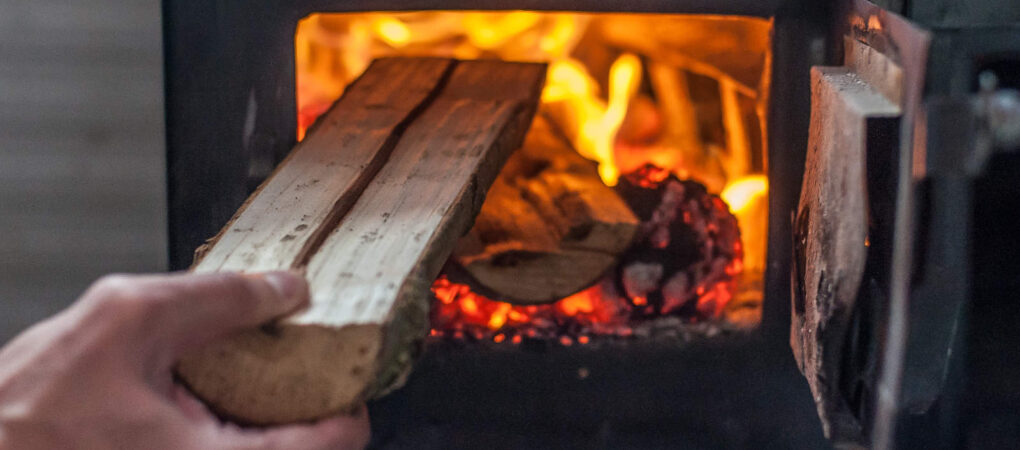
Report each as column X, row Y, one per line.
column 670, row 110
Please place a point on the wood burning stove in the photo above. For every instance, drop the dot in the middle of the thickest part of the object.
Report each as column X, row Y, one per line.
column 235, row 109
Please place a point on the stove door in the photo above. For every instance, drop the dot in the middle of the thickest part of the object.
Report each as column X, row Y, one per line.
column 844, row 200
column 849, row 247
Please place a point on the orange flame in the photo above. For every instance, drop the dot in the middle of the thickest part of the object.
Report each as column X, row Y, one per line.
column 741, row 193
column 592, row 123
column 748, row 200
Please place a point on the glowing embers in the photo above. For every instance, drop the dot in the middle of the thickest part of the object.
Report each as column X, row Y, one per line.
column 460, row 313
column 684, row 265
column 688, row 251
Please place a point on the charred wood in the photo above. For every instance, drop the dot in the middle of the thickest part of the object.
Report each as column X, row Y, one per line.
column 688, row 251
column 549, row 226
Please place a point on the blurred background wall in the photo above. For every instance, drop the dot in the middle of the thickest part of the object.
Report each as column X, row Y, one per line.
column 82, row 165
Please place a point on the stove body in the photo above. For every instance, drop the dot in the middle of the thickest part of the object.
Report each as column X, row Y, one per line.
column 231, row 118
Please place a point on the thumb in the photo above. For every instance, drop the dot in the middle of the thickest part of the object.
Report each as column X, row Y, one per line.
column 184, row 311
column 208, row 306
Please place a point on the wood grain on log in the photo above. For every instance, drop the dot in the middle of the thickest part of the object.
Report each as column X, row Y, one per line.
column 549, row 227
column 373, row 245
column 831, row 230
column 326, row 172
column 875, row 68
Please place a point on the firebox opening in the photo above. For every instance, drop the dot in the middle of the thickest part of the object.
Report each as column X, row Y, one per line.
column 671, row 112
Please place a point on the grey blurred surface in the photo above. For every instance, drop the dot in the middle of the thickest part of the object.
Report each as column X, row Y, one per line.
column 82, row 165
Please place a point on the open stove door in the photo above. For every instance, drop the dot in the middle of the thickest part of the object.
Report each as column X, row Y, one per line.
column 853, row 123
column 852, row 231
column 905, row 249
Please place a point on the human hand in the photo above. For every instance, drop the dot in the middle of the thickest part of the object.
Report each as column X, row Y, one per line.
column 100, row 373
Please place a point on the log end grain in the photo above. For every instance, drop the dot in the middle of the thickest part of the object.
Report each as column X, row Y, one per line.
column 293, row 373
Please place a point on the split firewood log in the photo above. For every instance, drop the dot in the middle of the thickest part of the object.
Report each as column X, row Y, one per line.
column 549, row 227
column 369, row 205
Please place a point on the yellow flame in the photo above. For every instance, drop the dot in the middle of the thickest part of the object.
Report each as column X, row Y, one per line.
column 489, row 31
column 624, row 79
column 596, row 122
column 392, row 31
column 740, row 193
column 567, row 80
column 556, row 42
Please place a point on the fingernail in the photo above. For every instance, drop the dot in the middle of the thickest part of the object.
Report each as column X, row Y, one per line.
column 286, row 284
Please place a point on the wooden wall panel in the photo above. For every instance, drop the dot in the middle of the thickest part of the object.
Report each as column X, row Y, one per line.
column 82, row 172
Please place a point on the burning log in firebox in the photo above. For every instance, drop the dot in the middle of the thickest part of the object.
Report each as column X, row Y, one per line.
column 681, row 268
column 548, row 228
column 689, row 250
